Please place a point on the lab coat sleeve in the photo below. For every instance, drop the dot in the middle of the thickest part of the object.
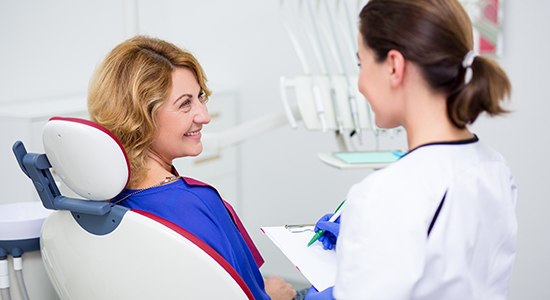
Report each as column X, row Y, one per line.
column 380, row 251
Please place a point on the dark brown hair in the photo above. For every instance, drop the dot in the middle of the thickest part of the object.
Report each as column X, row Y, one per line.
column 436, row 35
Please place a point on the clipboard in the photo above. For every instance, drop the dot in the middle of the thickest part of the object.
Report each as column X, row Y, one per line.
column 316, row 264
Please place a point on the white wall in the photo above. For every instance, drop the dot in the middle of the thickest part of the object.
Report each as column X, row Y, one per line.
column 49, row 48
column 522, row 139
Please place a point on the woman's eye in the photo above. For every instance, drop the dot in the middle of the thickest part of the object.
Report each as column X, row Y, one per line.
column 185, row 104
column 202, row 97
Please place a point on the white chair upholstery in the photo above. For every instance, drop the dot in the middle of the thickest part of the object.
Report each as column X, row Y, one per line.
column 122, row 254
column 141, row 259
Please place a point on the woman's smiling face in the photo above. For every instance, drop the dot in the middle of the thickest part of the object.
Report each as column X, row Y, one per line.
column 180, row 118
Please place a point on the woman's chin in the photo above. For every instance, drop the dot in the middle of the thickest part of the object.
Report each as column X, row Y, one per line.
column 196, row 151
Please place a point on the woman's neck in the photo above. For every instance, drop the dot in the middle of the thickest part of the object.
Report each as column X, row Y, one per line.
column 442, row 132
column 427, row 121
column 158, row 169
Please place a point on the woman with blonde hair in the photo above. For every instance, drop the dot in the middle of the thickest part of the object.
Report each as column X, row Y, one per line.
column 152, row 96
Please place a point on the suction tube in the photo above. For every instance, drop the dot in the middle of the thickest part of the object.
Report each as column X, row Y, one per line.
column 4, row 276
column 17, row 255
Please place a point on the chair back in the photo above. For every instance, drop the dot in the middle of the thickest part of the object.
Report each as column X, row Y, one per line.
column 93, row 249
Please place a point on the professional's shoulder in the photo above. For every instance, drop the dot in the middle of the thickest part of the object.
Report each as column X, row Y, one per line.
column 401, row 173
column 422, row 175
column 487, row 153
column 431, row 165
column 383, row 186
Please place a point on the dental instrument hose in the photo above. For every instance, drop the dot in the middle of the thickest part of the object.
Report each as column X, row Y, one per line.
column 4, row 276
column 17, row 255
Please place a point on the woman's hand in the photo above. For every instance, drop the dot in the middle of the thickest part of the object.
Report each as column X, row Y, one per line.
column 278, row 289
column 313, row 294
column 332, row 229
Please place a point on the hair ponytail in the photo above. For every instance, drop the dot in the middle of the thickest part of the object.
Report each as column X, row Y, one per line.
column 437, row 37
column 485, row 91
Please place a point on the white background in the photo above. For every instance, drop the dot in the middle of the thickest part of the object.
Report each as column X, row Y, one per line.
column 50, row 49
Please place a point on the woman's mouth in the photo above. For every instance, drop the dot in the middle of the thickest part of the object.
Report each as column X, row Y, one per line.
column 193, row 134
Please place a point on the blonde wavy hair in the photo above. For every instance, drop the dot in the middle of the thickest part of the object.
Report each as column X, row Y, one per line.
column 128, row 88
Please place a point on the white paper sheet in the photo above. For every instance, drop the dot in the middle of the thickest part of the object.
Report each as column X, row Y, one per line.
column 315, row 263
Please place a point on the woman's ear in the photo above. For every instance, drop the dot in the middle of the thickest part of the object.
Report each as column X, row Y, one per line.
column 396, row 63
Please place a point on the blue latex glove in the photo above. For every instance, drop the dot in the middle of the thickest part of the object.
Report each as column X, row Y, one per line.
column 313, row 294
column 332, row 229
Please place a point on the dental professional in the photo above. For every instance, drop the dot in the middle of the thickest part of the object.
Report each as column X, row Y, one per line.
column 439, row 223
column 152, row 96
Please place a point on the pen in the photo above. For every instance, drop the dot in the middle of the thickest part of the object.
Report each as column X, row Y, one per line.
column 320, row 232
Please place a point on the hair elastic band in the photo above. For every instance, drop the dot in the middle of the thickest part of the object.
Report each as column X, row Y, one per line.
column 467, row 65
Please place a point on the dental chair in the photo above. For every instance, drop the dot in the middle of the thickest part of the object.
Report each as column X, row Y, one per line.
column 93, row 249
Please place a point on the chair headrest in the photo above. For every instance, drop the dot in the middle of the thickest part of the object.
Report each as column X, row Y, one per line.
column 86, row 157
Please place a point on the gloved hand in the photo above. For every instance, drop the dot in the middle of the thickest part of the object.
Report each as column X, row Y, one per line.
column 332, row 229
column 313, row 294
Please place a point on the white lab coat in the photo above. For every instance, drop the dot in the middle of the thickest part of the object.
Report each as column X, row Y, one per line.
column 384, row 251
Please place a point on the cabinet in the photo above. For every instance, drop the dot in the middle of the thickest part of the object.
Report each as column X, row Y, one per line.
column 23, row 120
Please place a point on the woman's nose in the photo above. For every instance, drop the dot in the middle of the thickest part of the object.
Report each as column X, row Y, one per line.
column 201, row 115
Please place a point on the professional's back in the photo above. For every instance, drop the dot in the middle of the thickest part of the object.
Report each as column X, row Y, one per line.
column 445, row 228
column 471, row 249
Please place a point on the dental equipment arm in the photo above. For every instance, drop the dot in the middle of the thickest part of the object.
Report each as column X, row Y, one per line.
column 320, row 109
column 323, row 63
column 340, row 62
